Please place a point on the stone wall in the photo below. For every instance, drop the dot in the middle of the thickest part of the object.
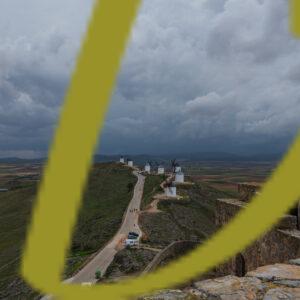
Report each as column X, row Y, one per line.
column 174, row 250
column 247, row 191
column 279, row 245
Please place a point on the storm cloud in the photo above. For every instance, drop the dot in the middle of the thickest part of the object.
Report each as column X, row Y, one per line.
column 197, row 76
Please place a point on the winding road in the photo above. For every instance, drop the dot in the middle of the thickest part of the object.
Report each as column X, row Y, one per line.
column 130, row 223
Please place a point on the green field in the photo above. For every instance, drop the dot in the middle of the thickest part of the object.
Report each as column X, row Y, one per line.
column 109, row 190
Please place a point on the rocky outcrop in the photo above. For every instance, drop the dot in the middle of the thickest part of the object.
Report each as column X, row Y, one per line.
column 295, row 261
column 273, row 282
column 279, row 274
column 229, row 288
column 282, row 293
column 248, row 190
column 168, row 295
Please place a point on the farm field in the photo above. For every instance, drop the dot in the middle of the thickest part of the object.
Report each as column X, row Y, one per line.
column 226, row 176
column 16, row 175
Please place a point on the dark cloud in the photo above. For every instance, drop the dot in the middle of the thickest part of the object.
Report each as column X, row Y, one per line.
column 197, row 75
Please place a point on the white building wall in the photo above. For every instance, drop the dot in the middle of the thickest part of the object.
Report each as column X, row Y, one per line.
column 161, row 170
column 122, row 160
column 147, row 168
column 179, row 177
column 170, row 191
column 130, row 163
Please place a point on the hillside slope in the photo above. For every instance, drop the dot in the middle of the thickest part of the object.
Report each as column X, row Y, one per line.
column 191, row 218
column 109, row 190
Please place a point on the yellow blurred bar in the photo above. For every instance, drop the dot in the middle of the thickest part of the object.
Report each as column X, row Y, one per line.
column 295, row 17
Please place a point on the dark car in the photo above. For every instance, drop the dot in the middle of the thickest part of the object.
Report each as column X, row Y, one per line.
column 133, row 233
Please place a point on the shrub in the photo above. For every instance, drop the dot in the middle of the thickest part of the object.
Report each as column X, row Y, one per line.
column 98, row 274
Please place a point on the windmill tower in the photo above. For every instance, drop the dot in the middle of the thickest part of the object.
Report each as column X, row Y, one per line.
column 160, row 170
column 179, row 177
column 130, row 162
column 170, row 190
column 148, row 167
column 122, row 160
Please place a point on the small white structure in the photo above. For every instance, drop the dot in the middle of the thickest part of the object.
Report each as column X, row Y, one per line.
column 131, row 242
column 160, row 170
column 88, row 283
column 179, row 177
column 170, row 191
column 177, row 169
column 130, row 163
column 147, row 168
column 122, row 160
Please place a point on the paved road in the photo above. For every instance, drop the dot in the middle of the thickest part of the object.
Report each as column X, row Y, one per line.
column 130, row 223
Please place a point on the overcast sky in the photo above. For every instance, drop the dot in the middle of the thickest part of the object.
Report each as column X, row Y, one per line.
column 198, row 75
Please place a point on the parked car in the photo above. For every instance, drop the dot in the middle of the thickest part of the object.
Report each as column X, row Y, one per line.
column 132, row 237
column 133, row 233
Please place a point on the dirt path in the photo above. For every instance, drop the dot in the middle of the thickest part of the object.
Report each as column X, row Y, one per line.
column 152, row 207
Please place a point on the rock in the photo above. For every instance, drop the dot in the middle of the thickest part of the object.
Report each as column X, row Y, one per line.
column 200, row 295
column 168, row 295
column 295, row 262
column 229, row 288
column 280, row 294
column 273, row 282
column 282, row 274
column 287, row 222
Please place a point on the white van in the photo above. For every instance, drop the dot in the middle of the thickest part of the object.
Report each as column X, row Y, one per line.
column 130, row 242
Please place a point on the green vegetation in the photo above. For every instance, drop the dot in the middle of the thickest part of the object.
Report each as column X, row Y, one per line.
column 151, row 187
column 105, row 201
column 15, row 211
column 109, row 190
column 191, row 218
column 98, row 274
